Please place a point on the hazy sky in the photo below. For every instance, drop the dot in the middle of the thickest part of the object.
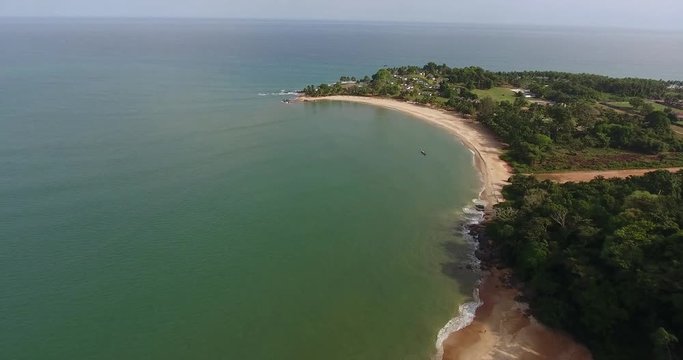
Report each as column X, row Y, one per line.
column 654, row 14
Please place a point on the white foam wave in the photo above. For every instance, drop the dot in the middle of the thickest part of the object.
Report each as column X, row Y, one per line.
column 471, row 217
column 467, row 310
column 465, row 317
column 280, row 93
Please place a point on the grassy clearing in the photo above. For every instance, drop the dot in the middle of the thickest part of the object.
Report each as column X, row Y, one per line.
column 496, row 93
column 678, row 129
column 624, row 105
column 658, row 107
column 620, row 105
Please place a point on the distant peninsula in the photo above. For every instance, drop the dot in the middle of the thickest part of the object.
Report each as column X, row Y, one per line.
column 595, row 234
column 550, row 121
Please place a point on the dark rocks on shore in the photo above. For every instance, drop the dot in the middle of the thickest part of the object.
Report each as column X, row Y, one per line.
column 490, row 258
column 485, row 251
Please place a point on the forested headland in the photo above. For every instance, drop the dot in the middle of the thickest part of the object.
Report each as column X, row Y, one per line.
column 602, row 260
column 549, row 120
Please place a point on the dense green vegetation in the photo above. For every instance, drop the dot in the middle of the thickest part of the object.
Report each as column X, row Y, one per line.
column 558, row 115
column 564, row 87
column 537, row 133
column 602, row 260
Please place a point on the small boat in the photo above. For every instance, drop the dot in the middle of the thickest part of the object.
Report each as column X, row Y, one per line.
column 423, row 152
column 286, row 101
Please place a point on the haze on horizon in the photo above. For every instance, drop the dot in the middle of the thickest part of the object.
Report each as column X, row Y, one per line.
column 641, row 14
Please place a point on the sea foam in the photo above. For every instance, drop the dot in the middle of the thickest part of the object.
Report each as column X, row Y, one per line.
column 279, row 93
column 465, row 317
column 466, row 311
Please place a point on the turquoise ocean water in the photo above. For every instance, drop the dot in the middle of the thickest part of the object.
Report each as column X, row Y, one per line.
column 157, row 201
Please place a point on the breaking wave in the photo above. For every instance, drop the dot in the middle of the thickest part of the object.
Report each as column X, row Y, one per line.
column 466, row 311
column 280, row 93
column 465, row 317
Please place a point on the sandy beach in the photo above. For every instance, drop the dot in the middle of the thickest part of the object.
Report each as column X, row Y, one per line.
column 501, row 329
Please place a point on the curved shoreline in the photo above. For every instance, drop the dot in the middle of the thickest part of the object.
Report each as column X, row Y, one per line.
column 493, row 170
column 500, row 327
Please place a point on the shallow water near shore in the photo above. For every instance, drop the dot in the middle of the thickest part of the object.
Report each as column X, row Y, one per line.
column 158, row 201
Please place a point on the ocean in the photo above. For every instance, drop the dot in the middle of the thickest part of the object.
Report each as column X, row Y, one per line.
column 158, row 201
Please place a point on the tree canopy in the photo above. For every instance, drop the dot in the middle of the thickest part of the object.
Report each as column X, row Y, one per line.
column 602, row 260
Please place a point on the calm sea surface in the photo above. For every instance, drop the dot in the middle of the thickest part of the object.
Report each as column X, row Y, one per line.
column 157, row 202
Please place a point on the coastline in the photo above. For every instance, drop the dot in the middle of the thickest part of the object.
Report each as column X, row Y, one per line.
column 500, row 326
column 493, row 170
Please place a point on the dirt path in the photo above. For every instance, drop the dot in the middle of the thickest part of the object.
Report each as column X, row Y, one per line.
column 578, row 176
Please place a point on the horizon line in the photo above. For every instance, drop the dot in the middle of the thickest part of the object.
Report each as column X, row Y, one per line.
column 329, row 20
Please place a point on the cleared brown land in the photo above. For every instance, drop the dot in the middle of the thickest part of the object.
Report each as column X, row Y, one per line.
column 578, row 176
